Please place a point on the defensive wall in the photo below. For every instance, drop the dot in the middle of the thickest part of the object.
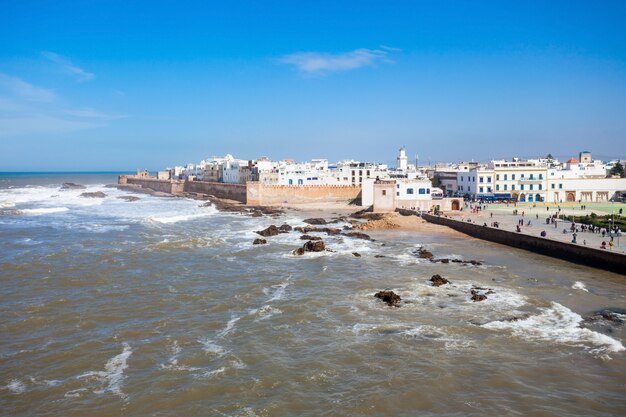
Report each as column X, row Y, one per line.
column 597, row 258
column 235, row 192
column 163, row 186
column 251, row 193
column 271, row 195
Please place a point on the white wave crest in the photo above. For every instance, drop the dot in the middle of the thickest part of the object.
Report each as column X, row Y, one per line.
column 559, row 324
column 179, row 218
column 15, row 386
column 209, row 346
column 42, row 211
column 229, row 327
column 113, row 374
column 579, row 285
column 278, row 293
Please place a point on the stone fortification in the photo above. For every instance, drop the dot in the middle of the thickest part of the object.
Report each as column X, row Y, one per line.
column 271, row 195
column 585, row 255
column 251, row 193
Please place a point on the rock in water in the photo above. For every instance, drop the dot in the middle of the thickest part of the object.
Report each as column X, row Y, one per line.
column 357, row 254
column 358, row 235
column 72, row 186
column 299, row 251
column 270, row 231
column 438, row 280
column 309, row 237
column 129, row 198
column 389, row 297
column 259, row 242
column 97, row 194
column 314, row 246
column 316, row 220
column 476, row 296
column 285, row 228
column 424, row 254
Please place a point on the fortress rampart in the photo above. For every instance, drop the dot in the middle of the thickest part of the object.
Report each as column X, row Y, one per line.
column 251, row 193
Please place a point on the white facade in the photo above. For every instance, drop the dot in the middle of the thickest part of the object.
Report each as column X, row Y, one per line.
column 584, row 190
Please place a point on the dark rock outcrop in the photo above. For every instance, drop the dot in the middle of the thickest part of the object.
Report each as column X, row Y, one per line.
column 379, row 256
column 97, row 194
column 299, row 251
column 285, row 228
column 308, row 229
column 316, row 220
column 358, row 235
column 423, row 254
column 389, row 297
column 607, row 316
column 259, row 241
column 356, row 254
column 72, row 186
column 309, row 237
column 476, row 296
column 437, row 280
column 314, row 246
column 270, row 231
column 129, row 198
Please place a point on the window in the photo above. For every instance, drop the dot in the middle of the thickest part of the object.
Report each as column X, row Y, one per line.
column 531, row 177
column 428, row 191
column 480, row 179
column 498, row 177
column 497, row 187
column 353, row 173
column 504, row 187
column 488, row 179
column 552, row 186
column 409, row 191
column 521, row 187
column 540, row 176
column 461, row 179
column 488, row 189
column 512, row 187
column 368, row 172
column 505, row 177
column 531, row 186
column 560, row 186
column 512, row 176
column 398, row 193
column 398, row 186
column 422, row 191
column 540, row 186
column 384, row 192
column 522, row 176
column 290, row 182
column 481, row 189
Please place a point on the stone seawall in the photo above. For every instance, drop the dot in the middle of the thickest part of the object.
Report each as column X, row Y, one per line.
column 269, row 195
column 584, row 255
column 251, row 193
column 163, row 186
column 235, row 192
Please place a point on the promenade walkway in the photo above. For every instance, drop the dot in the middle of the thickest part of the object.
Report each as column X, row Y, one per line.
column 537, row 216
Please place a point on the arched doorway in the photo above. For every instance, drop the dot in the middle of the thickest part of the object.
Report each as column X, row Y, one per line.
column 522, row 197
column 456, row 205
column 538, row 197
column 570, row 196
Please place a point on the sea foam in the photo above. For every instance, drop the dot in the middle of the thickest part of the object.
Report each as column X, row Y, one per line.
column 559, row 324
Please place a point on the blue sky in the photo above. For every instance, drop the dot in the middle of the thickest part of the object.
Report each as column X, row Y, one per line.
column 107, row 85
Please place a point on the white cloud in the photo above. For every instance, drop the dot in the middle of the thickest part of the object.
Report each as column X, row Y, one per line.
column 317, row 63
column 26, row 109
column 25, row 91
column 68, row 67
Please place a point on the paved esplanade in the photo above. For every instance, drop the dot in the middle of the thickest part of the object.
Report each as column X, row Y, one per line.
column 537, row 215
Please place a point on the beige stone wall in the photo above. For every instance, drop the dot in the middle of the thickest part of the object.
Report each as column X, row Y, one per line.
column 268, row 195
column 163, row 186
column 235, row 192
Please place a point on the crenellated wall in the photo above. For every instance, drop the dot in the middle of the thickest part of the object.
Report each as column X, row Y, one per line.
column 585, row 255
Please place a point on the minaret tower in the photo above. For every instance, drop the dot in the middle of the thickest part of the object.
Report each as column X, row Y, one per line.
column 402, row 161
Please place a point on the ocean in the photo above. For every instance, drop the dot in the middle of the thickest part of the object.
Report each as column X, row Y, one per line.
column 163, row 307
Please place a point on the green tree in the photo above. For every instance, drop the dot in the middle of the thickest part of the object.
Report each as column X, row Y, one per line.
column 435, row 181
column 618, row 169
